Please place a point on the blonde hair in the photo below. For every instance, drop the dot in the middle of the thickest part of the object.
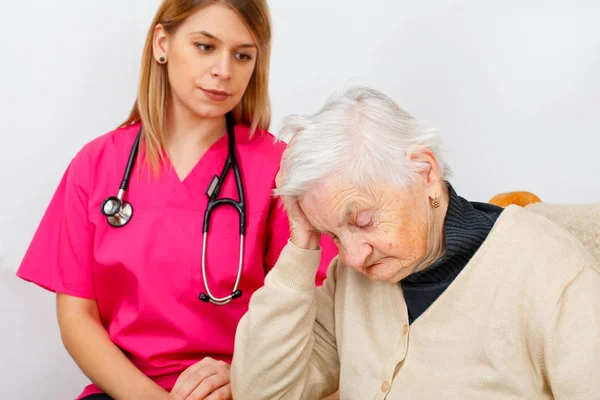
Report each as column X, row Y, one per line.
column 254, row 110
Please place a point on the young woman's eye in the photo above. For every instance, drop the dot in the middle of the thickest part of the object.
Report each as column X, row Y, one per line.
column 243, row 56
column 207, row 48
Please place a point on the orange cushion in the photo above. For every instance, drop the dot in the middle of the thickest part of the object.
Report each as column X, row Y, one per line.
column 518, row 198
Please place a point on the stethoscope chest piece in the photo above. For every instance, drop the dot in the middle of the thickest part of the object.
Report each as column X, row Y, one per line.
column 117, row 212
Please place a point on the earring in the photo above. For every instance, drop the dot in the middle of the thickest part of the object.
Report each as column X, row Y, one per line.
column 435, row 202
column 162, row 60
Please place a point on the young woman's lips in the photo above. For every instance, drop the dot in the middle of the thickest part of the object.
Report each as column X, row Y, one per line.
column 216, row 95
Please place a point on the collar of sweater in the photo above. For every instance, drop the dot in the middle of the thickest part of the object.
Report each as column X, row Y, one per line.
column 466, row 226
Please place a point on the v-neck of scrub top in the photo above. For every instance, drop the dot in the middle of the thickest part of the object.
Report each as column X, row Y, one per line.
column 185, row 192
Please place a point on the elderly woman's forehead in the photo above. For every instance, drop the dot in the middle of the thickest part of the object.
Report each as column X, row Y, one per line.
column 341, row 198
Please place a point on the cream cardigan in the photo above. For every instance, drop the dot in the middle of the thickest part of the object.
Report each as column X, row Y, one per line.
column 521, row 321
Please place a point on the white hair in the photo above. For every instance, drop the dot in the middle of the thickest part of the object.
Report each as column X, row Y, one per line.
column 360, row 135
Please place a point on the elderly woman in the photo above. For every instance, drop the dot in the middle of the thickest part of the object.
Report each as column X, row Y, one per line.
column 431, row 297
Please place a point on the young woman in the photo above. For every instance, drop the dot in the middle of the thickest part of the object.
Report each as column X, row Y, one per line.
column 147, row 302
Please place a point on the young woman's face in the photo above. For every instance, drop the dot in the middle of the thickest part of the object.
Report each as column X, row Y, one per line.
column 210, row 60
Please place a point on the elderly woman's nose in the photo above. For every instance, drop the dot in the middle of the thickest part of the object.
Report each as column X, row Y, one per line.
column 355, row 254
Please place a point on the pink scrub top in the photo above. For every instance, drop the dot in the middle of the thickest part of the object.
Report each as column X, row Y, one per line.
column 146, row 276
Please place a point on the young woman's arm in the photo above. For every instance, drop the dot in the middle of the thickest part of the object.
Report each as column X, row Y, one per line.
column 98, row 357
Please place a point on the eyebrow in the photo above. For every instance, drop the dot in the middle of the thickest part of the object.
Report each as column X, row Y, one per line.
column 350, row 210
column 211, row 36
column 348, row 213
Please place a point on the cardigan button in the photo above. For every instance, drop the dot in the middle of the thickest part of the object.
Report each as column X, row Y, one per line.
column 405, row 330
column 385, row 386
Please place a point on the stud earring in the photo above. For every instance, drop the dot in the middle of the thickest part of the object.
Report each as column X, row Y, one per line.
column 162, row 60
column 435, row 202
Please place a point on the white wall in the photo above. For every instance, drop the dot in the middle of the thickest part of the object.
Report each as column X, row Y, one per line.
column 513, row 86
column 68, row 73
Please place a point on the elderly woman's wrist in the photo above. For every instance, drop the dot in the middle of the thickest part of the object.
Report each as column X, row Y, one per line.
column 297, row 267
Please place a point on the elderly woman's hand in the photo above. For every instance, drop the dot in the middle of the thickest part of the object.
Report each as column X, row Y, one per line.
column 302, row 233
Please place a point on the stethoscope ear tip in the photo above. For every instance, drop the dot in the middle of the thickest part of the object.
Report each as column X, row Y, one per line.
column 203, row 297
column 206, row 298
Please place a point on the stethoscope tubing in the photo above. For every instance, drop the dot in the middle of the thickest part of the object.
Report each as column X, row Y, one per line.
column 222, row 300
column 118, row 212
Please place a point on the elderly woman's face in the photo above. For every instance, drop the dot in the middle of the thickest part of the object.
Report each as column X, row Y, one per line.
column 379, row 231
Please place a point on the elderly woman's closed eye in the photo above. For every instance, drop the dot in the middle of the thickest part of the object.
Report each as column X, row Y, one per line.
column 432, row 296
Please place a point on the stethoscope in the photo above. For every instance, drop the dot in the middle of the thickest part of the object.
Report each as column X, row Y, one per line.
column 119, row 212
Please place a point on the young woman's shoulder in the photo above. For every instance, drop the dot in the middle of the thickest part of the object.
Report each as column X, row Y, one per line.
column 113, row 145
column 262, row 145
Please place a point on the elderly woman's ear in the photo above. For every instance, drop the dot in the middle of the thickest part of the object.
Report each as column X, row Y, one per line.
column 428, row 170
column 426, row 165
